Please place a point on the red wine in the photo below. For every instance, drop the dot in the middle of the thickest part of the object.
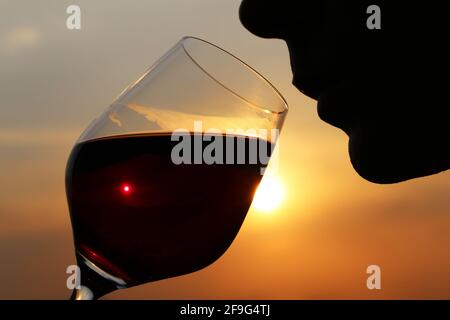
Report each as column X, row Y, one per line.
column 139, row 217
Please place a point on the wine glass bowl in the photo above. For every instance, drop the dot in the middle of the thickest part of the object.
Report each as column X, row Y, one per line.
column 159, row 184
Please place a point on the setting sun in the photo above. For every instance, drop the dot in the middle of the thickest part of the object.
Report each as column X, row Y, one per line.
column 269, row 194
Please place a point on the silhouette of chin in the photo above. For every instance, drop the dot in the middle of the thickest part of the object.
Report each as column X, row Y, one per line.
column 390, row 136
column 383, row 161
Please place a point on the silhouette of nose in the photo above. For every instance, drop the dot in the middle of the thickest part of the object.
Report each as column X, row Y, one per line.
column 319, row 35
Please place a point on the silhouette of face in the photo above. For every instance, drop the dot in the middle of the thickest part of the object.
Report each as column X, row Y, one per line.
column 387, row 88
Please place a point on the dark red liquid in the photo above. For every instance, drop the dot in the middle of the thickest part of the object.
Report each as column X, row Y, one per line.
column 139, row 217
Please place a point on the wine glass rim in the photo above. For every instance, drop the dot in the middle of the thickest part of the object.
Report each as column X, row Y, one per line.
column 246, row 65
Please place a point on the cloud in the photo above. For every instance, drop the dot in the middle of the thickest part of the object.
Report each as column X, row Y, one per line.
column 37, row 137
column 19, row 38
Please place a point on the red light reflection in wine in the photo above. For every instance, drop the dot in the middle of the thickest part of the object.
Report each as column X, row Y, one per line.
column 126, row 188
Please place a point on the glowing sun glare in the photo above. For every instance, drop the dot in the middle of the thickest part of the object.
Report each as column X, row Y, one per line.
column 269, row 194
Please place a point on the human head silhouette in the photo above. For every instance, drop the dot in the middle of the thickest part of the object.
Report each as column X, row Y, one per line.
column 386, row 88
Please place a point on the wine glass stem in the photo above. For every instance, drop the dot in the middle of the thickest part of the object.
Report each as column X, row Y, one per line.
column 83, row 293
column 92, row 285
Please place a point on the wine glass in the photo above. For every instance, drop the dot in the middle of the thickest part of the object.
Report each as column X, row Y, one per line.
column 160, row 183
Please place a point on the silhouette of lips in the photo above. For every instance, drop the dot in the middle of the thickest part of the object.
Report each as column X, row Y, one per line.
column 337, row 108
column 335, row 105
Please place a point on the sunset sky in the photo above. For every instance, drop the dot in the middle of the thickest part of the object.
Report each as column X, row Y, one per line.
column 315, row 237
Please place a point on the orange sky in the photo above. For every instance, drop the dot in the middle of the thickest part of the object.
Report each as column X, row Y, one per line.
column 329, row 227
